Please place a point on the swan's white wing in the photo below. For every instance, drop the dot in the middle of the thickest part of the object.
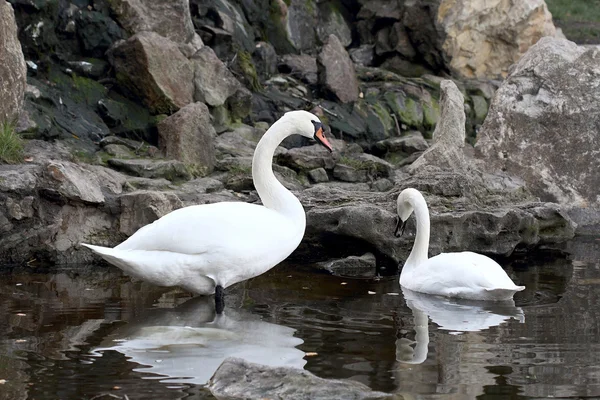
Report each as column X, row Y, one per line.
column 212, row 228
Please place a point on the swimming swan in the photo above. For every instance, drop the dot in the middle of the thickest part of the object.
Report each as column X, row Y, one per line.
column 464, row 275
column 206, row 248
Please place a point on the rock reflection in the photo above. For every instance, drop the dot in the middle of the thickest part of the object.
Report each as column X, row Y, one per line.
column 454, row 315
column 189, row 342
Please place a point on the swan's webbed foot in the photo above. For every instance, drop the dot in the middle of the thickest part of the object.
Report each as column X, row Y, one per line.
column 219, row 299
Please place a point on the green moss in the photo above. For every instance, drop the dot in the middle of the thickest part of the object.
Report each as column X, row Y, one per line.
column 91, row 90
column 85, row 157
column 249, row 70
column 406, row 109
column 431, row 115
column 579, row 19
column 11, row 144
column 239, row 170
column 197, row 170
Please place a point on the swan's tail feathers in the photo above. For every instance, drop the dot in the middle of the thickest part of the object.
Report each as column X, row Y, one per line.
column 98, row 249
column 503, row 294
column 109, row 254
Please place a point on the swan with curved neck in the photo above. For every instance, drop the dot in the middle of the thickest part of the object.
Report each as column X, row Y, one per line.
column 464, row 275
column 206, row 248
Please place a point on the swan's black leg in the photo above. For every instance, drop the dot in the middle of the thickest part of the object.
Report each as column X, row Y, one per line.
column 219, row 299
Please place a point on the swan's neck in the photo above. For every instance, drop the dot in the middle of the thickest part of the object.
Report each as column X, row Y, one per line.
column 419, row 255
column 272, row 193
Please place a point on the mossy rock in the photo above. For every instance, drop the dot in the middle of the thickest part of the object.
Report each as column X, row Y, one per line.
column 408, row 110
column 431, row 116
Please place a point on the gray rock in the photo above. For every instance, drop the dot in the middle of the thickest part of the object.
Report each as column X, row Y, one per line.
column 380, row 9
column 318, row 175
column 20, row 209
column 73, row 181
column 118, row 150
column 170, row 19
column 241, row 141
column 331, row 21
column 95, row 31
column 301, row 66
column 213, row 82
column 307, row 158
column 227, row 17
column 410, row 143
column 372, row 166
column 13, row 70
column 168, row 169
column 265, row 60
column 239, row 379
column 240, row 104
column 480, row 108
column 337, row 71
column 449, row 134
column 363, row 55
column 188, row 136
column 382, row 185
column 152, row 68
column 353, row 266
column 399, row 41
column 300, row 24
column 348, row 173
column 18, row 178
column 542, row 125
column 144, row 207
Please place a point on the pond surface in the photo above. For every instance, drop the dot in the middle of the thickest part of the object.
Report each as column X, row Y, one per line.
column 86, row 332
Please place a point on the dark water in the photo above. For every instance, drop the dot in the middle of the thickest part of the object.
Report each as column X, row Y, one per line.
column 90, row 332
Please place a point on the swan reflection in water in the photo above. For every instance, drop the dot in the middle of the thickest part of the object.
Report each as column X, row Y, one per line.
column 188, row 343
column 454, row 315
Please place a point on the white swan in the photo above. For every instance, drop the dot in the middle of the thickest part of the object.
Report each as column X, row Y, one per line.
column 464, row 275
column 206, row 248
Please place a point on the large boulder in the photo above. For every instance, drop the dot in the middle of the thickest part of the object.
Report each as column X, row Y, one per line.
column 543, row 126
column 337, row 71
column 151, row 68
column 213, row 82
column 473, row 39
column 188, row 136
column 483, row 39
column 170, row 19
column 13, row 71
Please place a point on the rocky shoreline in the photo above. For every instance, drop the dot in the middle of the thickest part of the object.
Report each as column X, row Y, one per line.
column 134, row 109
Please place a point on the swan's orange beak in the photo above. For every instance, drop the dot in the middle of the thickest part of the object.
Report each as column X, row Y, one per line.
column 320, row 137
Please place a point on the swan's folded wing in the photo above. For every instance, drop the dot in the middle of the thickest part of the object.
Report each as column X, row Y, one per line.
column 209, row 228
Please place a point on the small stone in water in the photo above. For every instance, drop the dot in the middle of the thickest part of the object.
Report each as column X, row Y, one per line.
column 344, row 283
column 2, row 381
column 19, row 284
column 371, row 292
column 311, row 354
column 116, row 387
